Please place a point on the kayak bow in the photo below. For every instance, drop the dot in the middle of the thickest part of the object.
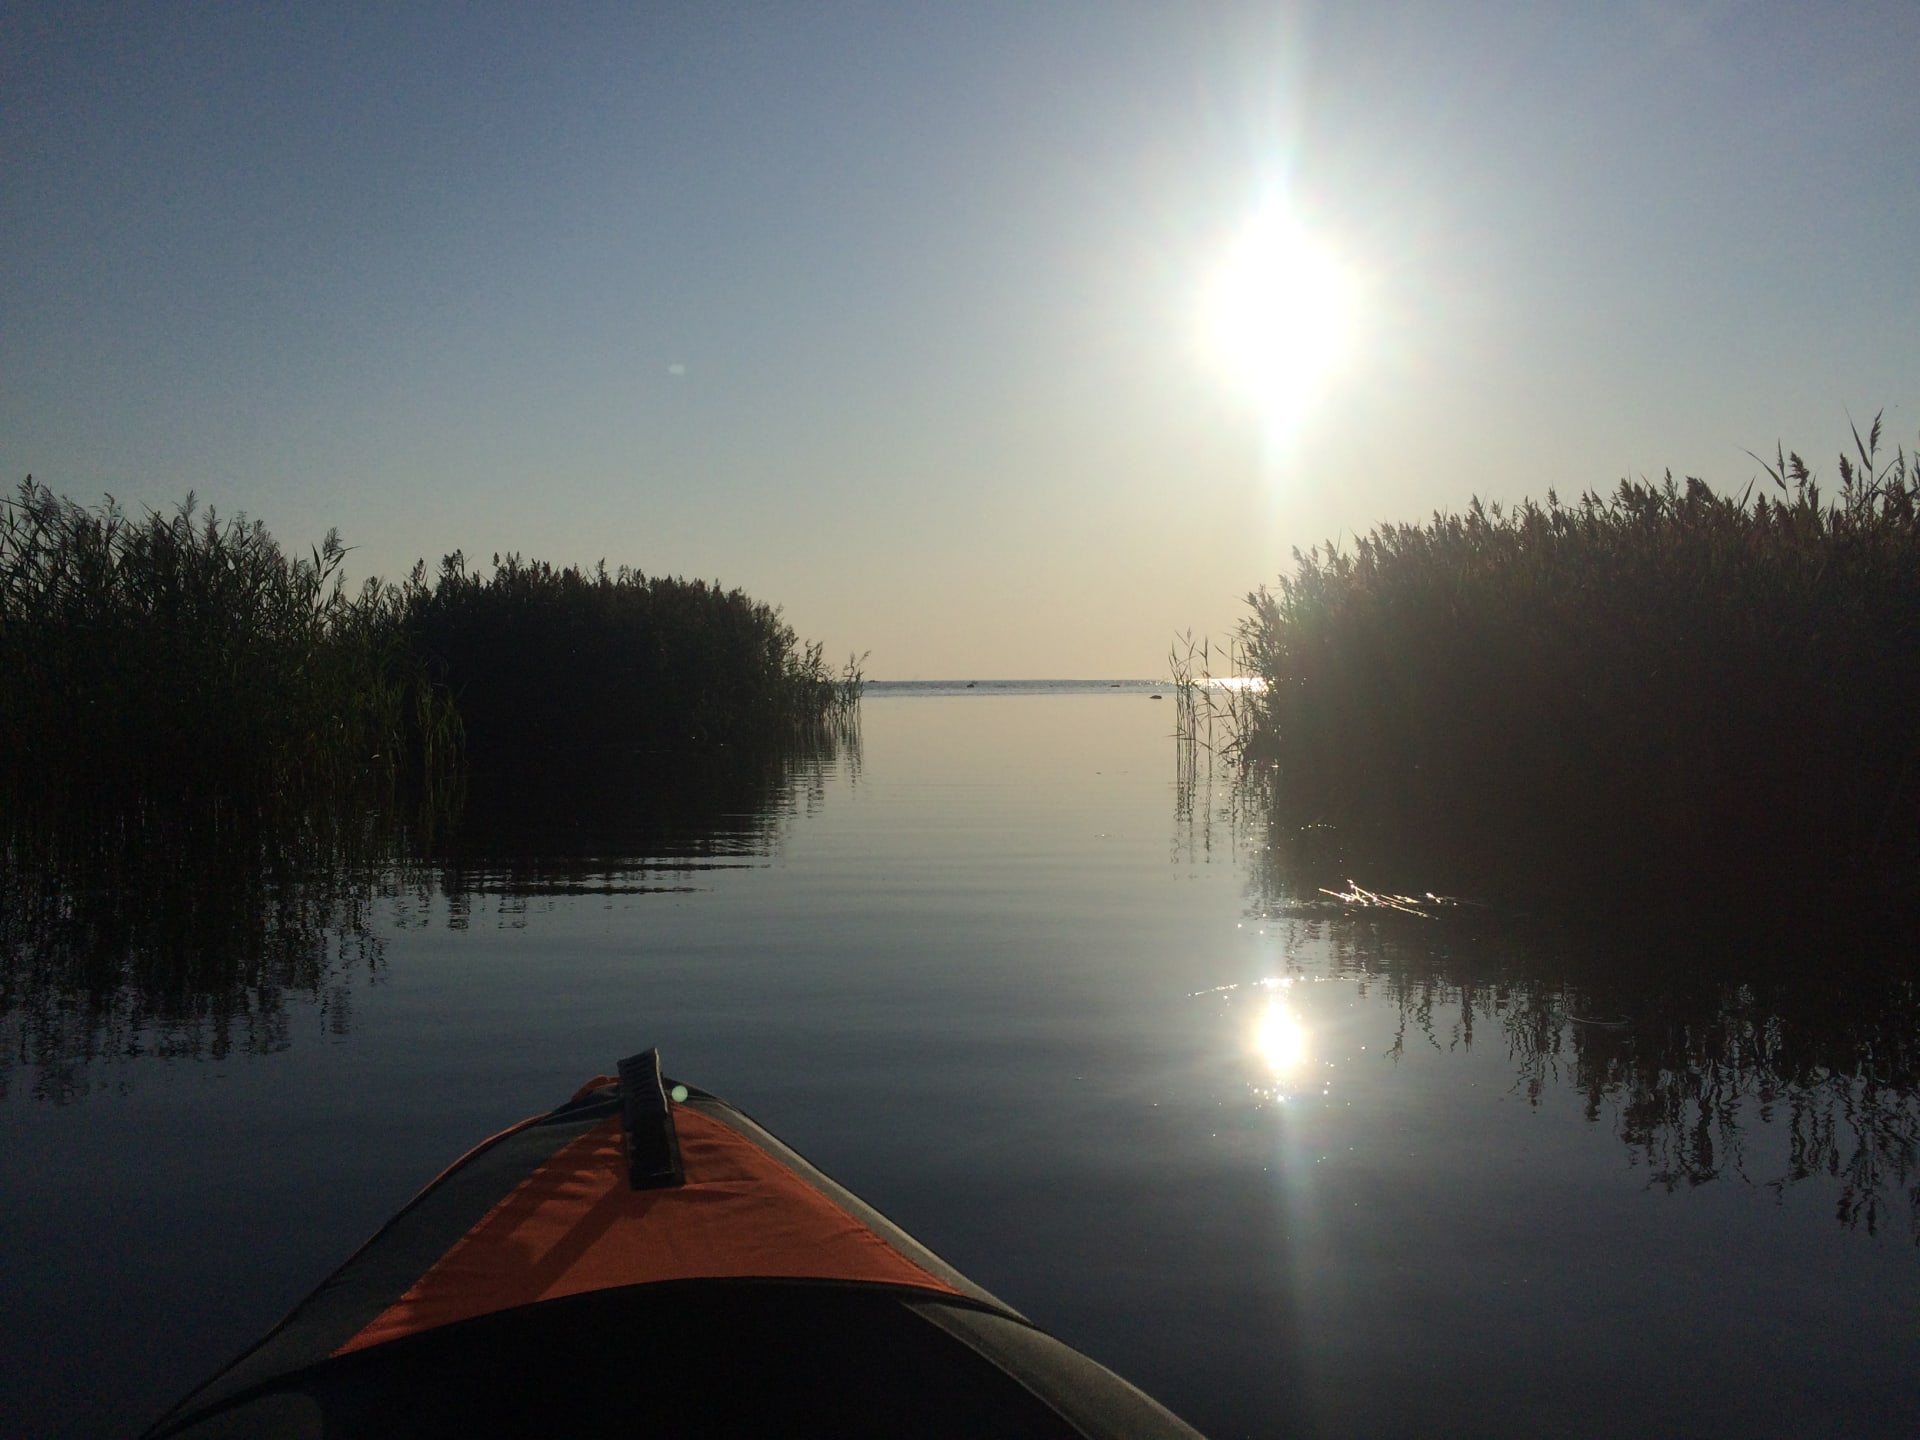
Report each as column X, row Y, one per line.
column 646, row 1258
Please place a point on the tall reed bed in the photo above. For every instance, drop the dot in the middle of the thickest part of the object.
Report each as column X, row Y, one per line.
column 213, row 755
column 198, row 737
column 1701, row 696
column 188, row 657
column 542, row 659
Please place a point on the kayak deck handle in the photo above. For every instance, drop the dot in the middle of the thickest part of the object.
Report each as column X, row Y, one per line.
column 646, row 1120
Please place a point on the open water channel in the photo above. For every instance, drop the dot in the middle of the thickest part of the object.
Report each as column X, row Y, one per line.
column 1297, row 1165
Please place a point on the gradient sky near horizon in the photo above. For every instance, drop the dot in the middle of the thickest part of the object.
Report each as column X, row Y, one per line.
column 893, row 314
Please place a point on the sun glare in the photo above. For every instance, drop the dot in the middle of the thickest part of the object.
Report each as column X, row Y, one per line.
column 1280, row 314
column 1280, row 1039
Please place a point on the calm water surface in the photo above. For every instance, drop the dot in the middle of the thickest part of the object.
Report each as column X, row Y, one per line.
column 1297, row 1167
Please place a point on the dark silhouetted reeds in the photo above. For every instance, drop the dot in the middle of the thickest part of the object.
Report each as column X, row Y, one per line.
column 214, row 756
column 188, row 659
column 1706, row 698
column 188, row 656
column 541, row 660
column 202, row 746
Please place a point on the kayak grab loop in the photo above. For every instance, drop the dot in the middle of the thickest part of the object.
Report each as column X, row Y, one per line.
column 646, row 1120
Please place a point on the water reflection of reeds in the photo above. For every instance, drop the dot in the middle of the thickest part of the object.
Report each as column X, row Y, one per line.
column 634, row 822
column 180, row 930
column 1721, row 1052
column 176, row 931
column 1691, row 1069
column 216, row 762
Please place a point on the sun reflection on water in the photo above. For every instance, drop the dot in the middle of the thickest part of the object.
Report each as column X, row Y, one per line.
column 1279, row 1037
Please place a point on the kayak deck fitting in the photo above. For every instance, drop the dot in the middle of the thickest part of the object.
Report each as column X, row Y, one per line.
column 646, row 1259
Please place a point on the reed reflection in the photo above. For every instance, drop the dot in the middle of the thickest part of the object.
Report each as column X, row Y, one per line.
column 182, row 931
column 1773, row 1057
column 142, row 928
column 633, row 823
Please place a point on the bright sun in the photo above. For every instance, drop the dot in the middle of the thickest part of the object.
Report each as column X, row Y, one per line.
column 1280, row 316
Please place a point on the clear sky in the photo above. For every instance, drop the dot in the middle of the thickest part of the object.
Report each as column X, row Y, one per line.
column 896, row 315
